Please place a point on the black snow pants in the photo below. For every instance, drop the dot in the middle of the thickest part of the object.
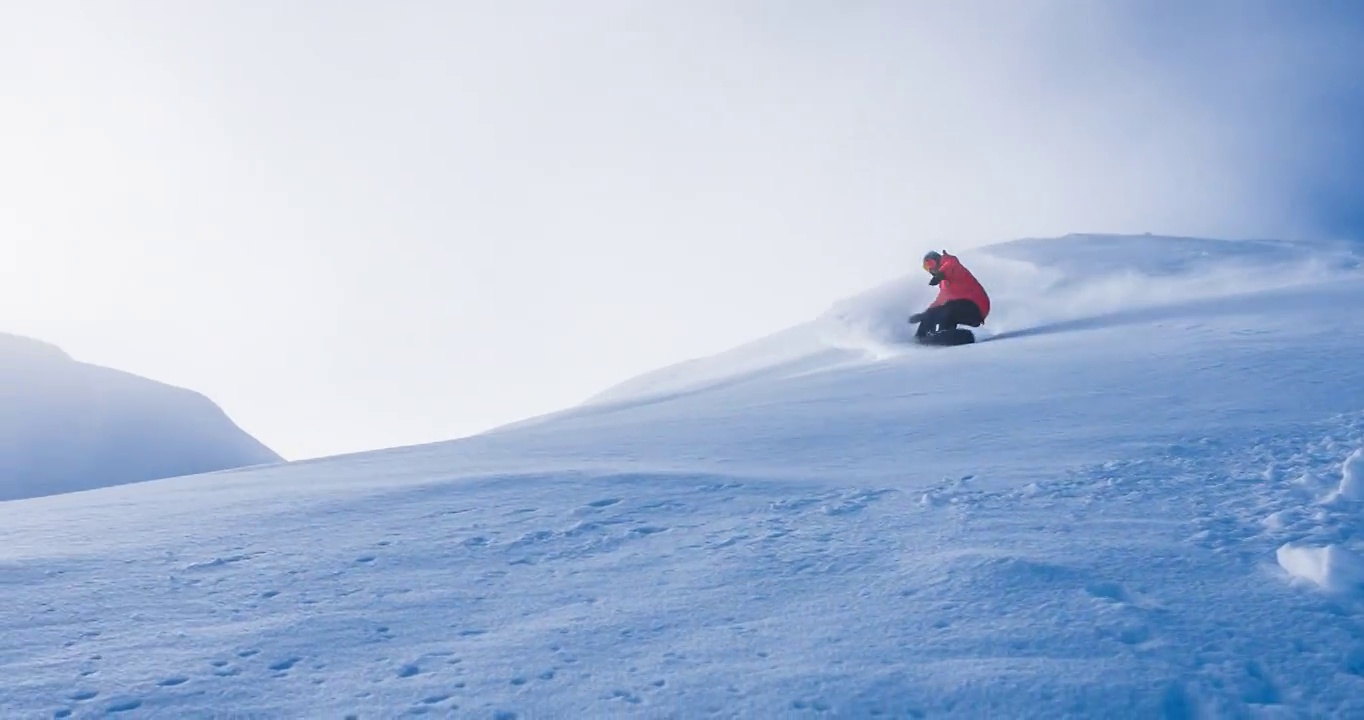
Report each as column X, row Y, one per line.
column 948, row 316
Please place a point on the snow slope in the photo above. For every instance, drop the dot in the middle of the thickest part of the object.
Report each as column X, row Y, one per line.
column 67, row 426
column 1138, row 497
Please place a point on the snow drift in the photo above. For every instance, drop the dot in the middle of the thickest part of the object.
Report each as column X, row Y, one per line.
column 1352, row 478
column 1133, row 499
column 67, row 426
column 1331, row 567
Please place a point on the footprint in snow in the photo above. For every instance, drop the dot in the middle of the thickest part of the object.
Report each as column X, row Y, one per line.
column 123, row 706
column 285, row 664
column 1108, row 591
column 173, row 681
column 732, row 540
column 83, row 695
column 222, row 668
column 604, row 502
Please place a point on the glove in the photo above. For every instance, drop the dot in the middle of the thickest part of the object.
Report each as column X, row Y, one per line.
column 937, row 278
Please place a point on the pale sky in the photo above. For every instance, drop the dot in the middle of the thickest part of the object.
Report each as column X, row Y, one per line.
column 361, row 225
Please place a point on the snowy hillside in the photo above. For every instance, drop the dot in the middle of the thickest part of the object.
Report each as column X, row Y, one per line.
column 67, row 426
column 1139, row 496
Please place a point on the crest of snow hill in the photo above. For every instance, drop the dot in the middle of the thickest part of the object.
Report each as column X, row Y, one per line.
column 67, row 426
column 1037, row 285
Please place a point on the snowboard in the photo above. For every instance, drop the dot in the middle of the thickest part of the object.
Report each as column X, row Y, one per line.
column 947, row 338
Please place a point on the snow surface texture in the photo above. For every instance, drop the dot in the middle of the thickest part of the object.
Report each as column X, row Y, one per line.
column 67, row 426
column 1125, row 502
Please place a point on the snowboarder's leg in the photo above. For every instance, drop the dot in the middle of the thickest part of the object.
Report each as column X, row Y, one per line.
column 939, row 327
column 932, row 317
column 924, row 325
column 961, row 312
column 946, row 318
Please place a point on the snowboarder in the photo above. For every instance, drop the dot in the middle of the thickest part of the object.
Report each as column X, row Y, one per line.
column 961, row 301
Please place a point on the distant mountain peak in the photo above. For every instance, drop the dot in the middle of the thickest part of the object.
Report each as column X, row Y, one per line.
column 67, row 426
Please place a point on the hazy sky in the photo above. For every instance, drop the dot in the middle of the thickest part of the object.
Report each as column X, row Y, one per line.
column 358, row 225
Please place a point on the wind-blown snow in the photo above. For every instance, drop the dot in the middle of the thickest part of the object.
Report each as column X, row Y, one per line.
column 1037, row 286
column 1107, row 508
column 67, row 426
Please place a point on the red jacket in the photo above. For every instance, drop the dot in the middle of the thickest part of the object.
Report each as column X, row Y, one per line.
column 959, row 284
